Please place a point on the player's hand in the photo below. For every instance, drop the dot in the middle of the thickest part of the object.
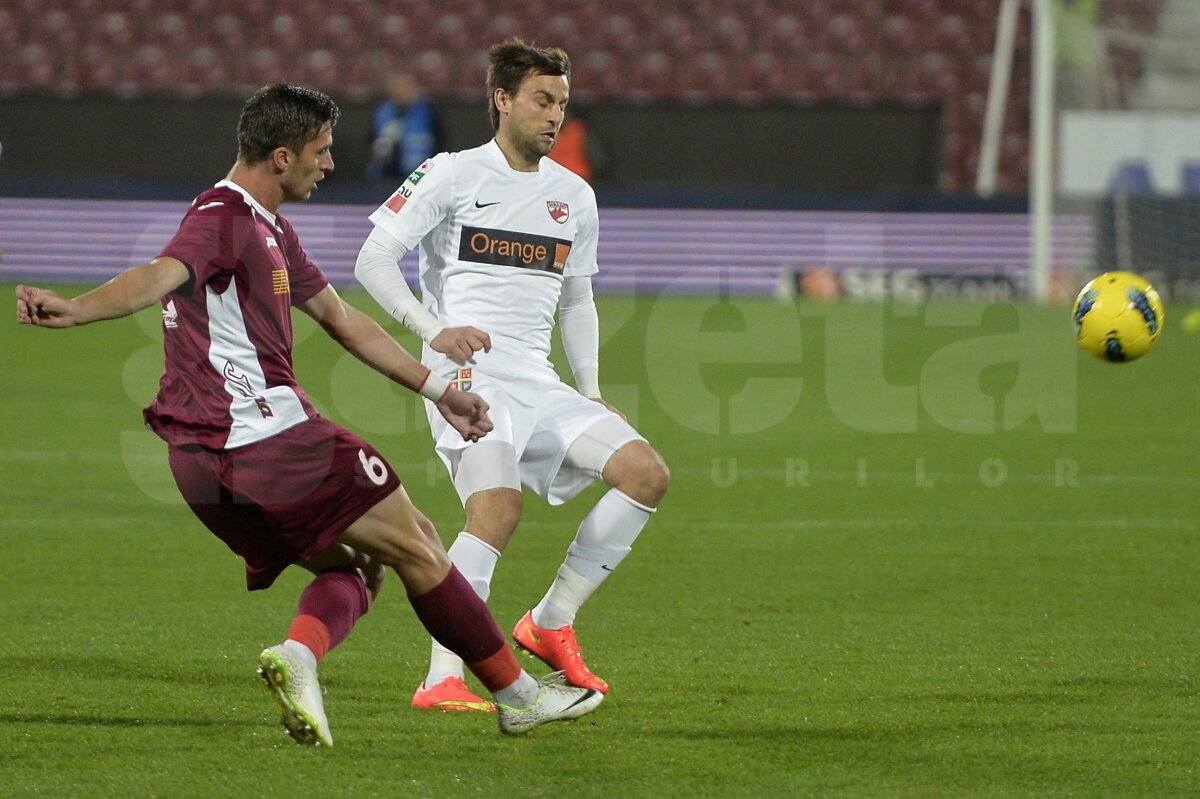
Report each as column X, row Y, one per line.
column 467, row 413
column 460, row 343
column 43, row 307
column 612, row 408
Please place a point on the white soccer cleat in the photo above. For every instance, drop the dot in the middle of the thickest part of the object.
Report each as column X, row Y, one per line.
column 295, row 686
column 555, row 702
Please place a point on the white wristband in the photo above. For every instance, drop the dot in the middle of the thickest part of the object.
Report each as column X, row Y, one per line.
column 434, row 387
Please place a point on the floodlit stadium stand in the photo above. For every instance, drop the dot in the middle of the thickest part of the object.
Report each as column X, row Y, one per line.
column 859, row 52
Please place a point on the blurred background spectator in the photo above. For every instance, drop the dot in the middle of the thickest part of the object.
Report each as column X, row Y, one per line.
column 578, row 148
column 406, row 129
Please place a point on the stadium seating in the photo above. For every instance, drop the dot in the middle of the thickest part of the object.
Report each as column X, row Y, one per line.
column 748, row 51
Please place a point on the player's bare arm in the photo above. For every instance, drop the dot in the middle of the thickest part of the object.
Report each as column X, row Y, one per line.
column 466, row 412
column 363, row 338
column 129, row 292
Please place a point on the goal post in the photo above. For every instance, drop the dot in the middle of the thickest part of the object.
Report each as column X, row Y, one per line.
column 1041, row 148
column 1041, row 128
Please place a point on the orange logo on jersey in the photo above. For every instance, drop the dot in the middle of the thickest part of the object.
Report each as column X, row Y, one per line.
column 561, row 251
column 526, row 252
column 510, row 248
column 279, row 282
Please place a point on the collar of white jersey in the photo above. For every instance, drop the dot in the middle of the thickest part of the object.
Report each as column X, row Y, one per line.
column 250, row 201
column 494, row 148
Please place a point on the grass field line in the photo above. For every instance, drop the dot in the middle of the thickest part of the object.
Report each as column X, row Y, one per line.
column 1110, row 523
column 794, row 478
column 39, row 522
column 980, row 428
column 723, row 472
column 77, row 456
column 33, row 522
column 117, row 455
column 952, row 524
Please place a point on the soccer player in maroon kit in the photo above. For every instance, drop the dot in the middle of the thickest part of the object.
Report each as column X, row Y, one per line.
column 275, row 481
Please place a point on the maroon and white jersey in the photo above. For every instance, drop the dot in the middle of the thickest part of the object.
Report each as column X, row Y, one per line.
column 227, row 332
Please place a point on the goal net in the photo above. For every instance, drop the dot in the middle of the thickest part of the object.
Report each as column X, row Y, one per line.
column 1127, row 97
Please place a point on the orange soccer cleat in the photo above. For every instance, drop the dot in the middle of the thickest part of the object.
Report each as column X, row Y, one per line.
column 559, row 650
column 451, row 694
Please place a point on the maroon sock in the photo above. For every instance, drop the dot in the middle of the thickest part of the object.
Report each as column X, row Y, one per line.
column 329, row 607
column 460, row 621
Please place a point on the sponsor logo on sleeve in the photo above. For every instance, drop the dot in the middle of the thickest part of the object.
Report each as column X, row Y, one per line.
column 509, row 248
column 404, row 193
column 397, row 200
column 417, row 174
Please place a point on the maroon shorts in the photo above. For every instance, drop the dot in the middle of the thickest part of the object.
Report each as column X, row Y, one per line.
column 284, row 498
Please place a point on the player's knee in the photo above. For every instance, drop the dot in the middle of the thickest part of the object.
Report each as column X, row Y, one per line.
column 417, row 553
column 508, row 514
column 372, row 576
column 411, row 543
column 494, row 512
column 653, row 477
column 428, row 530
column 642, row 474
column 638, row 471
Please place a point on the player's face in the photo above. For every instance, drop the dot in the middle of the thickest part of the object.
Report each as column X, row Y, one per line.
column 534, row 115
column 308, row 167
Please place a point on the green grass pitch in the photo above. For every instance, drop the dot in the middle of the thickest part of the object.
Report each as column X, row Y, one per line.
column 907, row 552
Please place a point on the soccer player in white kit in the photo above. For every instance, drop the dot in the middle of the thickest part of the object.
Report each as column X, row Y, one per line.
column 506, row 238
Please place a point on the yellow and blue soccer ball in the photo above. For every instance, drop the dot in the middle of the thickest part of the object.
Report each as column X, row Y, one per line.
column 1118, row 316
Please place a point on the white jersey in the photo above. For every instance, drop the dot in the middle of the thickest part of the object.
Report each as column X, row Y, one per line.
column 495, row 245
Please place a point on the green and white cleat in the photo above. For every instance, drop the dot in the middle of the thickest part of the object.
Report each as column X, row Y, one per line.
column 555, row 702
column 295, row 686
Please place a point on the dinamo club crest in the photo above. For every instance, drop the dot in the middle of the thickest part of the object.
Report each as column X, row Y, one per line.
column 559, row 211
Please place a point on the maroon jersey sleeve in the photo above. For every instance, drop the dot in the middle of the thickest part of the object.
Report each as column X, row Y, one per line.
column 305, row 278
column 202, row 242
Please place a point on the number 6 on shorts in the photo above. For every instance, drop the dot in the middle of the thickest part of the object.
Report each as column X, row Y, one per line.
column 373, row 467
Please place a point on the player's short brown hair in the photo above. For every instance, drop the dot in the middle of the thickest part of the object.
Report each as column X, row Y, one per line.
column 512, row 61
column 281, row 115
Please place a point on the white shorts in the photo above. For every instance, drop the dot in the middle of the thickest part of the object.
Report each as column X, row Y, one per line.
column 540, row 417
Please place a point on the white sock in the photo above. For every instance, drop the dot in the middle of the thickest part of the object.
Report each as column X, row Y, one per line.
column 303, row 652
column 476, row 559
column 521, row 693
column 604, row 539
